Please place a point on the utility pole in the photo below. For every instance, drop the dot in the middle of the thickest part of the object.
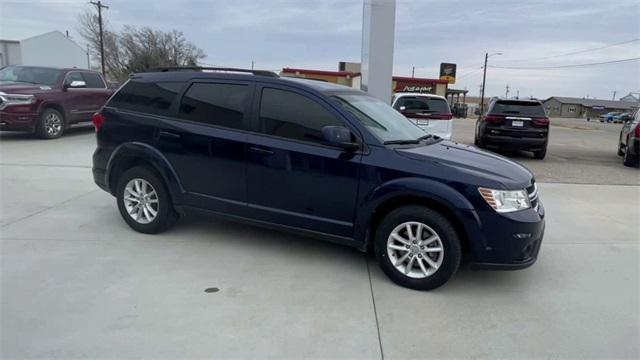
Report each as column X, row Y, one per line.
column 252, row 63
column 413, row 71
column 100, row 7
column 518, row 94
column 88, row 58
column 614, row 95
column 506, row 93
column 484, row 80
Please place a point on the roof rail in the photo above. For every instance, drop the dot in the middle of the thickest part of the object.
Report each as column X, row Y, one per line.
column 200, row 68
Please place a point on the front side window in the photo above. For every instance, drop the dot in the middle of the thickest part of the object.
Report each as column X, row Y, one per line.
column 71, row 77
column 294, row 116
column 215, row 104
column 381, row 119
column 93, row 80
column 147, row 97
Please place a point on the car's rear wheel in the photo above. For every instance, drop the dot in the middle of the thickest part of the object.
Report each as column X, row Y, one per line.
column 50, row 124
column 478, row 142
column 630, row 159
column 417, row 247
column 620, row 152
column 540, row 154
column 143, row 201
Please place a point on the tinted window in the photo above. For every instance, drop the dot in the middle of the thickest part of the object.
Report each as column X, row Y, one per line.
column 422, row 104
column 290, row 115
column 151, row 98
column 35, row 75
column 71, row 77
column 93, row 80
column 525, row 108
column 215, row 104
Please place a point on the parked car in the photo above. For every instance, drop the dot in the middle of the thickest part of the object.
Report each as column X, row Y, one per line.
column 621, row 118
column 430, row 112
column 514, row 125
column 46, row 101
column 314, row 158
column 608, row 117
column 629, row 142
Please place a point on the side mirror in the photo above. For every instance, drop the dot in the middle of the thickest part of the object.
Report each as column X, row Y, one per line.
column 76, row 84
column 339, row 136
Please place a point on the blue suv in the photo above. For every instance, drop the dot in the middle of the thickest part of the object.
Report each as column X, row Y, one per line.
column 317, row 159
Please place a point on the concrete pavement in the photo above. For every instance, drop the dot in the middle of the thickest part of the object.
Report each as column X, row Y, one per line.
column 77, row 282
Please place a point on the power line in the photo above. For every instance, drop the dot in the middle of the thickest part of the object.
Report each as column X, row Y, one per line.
column 576, row 52
column 562, row 66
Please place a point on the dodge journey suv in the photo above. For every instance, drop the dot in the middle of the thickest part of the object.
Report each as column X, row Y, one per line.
column 318, row 159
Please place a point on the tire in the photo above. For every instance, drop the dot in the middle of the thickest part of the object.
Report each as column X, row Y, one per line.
column 433, row 223
column 138, row 179
column 51, row 124
column 540, row 154
column 620, row 152
column 478, row 142
column 630, row 160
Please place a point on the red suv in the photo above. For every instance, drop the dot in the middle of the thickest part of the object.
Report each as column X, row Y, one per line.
column 46, row 101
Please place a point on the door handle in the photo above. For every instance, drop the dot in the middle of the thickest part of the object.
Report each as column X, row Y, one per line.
column 168, row 134
column 262, row 151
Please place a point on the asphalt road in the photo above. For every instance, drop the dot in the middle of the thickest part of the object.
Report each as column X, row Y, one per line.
column 579, row 152
column 76, row 282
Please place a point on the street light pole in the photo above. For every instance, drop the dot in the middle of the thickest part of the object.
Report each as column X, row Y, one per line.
column 100, row 7
column 484, row 80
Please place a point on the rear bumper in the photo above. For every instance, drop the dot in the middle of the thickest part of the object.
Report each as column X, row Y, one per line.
column 18, row 121
column 519, row 143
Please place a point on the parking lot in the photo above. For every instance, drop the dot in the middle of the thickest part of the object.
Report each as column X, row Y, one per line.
column 76, row 281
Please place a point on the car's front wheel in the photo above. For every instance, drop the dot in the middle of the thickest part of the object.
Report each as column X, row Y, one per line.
column 417, row 247
column 143, row 201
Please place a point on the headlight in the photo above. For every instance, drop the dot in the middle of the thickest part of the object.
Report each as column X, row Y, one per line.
column 504, row 201
column 15, row 99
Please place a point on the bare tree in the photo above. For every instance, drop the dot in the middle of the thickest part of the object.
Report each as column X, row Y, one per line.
column 137, row 49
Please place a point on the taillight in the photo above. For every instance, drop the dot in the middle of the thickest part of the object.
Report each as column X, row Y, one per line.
column 442, row 116
column 638, row 130
column 98, row 120
column 493, row 119
column 541, row 121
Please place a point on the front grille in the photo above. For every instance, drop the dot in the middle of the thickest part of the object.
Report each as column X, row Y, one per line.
column 532, row 191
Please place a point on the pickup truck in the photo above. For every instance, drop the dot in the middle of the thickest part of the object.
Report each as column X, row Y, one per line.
column 46, row 101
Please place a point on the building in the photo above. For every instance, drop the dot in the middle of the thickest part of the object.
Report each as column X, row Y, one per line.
column 631, row 97
column 349, row 75
column 567, row 107
column 48, row 49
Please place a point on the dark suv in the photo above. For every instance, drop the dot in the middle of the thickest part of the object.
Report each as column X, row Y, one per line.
column 315, row 158
column 514, row 125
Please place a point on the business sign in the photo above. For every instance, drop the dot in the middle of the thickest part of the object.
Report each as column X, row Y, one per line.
column 597, row 107
column 448, row 72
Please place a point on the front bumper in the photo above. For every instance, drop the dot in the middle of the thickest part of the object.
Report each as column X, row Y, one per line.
column 508, row 241
column 18, row 121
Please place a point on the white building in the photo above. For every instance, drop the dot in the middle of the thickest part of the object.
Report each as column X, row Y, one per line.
column 48, row 49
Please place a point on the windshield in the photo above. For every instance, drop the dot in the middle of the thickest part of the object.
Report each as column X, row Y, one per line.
column 381, row 119
column 32, row 75
column 422, row 104
column 526, row 108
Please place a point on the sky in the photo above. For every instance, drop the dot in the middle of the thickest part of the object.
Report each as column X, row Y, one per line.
column 317, row 34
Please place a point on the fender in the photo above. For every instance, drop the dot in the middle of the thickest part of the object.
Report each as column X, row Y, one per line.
column 151, row 156
column 417, row 187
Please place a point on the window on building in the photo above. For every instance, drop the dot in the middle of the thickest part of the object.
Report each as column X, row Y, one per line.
column 215, row 104
column 572, row 109
column 290, row 115
column 147, row 97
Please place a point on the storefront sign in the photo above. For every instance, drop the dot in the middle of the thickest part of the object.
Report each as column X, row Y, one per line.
column 448, row 72
column 418, row 89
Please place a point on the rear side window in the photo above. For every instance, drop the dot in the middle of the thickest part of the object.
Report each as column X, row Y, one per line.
column 520, row 108
column 215, row 104
column 422, row 104
column 290, row 115
column 147, row 97
column 93, row 80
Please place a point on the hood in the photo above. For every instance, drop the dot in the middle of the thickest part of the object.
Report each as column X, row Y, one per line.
column 488, row 168
column 11, row 87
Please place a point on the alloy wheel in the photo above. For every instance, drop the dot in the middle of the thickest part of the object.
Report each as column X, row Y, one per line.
column 415, row 250
column 52, row 124
column 141, row 201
